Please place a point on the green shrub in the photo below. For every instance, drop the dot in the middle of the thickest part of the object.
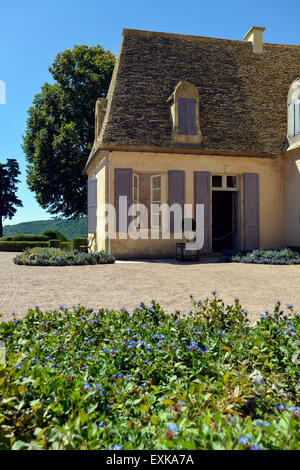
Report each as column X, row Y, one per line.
column 54, row 243
column 77, row 378
column 30, row 238
column 50, row 234
column 5, row 239
column 78, row 242
column 58, row 257
column 21, row 246
column 55, row 234
column 68, row 246
column 284, row 256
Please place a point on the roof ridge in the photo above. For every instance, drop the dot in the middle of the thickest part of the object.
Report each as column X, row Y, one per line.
column 161, row 33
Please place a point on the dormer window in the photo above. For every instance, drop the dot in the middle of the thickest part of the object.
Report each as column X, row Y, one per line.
column 294, row 110
column 184, row 114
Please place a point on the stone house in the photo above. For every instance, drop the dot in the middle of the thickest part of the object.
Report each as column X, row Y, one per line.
column 198, row 120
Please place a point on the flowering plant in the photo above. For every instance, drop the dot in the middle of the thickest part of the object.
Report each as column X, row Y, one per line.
column 76, row 378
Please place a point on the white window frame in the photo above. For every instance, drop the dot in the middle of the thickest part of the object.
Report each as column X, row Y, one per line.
column 224, row 186
column 153, row 225
column 136, row 179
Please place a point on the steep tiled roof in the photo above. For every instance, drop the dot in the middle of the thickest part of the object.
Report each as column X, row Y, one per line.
column 243, row 96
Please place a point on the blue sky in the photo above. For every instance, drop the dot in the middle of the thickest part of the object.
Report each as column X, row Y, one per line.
column 32, row 32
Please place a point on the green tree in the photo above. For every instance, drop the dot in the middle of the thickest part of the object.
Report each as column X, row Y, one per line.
column 60, row 129
column 9, row 173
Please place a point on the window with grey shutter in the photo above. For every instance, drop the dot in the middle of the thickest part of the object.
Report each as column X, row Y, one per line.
column 202, row 190
column 92, row 206
column 123, row 188
column 176, row 193
column 187, row 116
column 294, row 118
column 251, row 211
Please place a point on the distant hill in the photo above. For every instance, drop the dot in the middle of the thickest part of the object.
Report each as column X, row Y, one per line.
column 70, row 228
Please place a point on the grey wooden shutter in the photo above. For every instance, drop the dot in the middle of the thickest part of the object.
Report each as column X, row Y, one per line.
column 92, row 206
column 202, row 196
column 123, row 187
column 187, row 116
column 176, row 192
column 251, row 211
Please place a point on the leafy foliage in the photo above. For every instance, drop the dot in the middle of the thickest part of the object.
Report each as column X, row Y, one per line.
column 58, row 257
column 69, row 228
column 60, row 128
column 9, row 173
column 76, row 378
column 284, row 256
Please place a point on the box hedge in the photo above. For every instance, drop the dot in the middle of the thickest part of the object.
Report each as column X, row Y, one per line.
column 55, row 235
column 68, row 246
column 30, row 238
column 54, row 243
column 79, row 242
column 15, row 246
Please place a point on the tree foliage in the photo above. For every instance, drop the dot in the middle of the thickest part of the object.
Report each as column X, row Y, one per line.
column 9, row 202
column 60, row 129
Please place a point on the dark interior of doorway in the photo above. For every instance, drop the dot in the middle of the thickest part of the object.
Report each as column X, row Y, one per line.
column 223, row 220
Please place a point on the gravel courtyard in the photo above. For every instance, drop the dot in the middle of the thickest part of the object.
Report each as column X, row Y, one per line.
column 128, row 283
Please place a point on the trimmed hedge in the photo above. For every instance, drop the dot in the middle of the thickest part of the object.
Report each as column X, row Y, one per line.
column 68, row 246
column 5, row 239
column 50, row 234
column 78, row 242
column 54, row 243
column 55, row 235
column 21, row 246
column 30, row 238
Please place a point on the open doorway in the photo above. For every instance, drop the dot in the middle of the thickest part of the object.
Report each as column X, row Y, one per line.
column 224, row 220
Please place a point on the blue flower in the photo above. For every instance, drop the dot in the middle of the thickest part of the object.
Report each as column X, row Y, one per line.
column 243, row 439
column 281, row 407
column 117, row 447
column 255, row 448
column 100, row 424
column 173, row 427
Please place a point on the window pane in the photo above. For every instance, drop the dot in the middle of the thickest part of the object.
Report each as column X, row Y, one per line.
column 156, row 195
column 297, row 117
column 156, row 182
column 231, row 182
column 292, row 119
column 217, row 181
